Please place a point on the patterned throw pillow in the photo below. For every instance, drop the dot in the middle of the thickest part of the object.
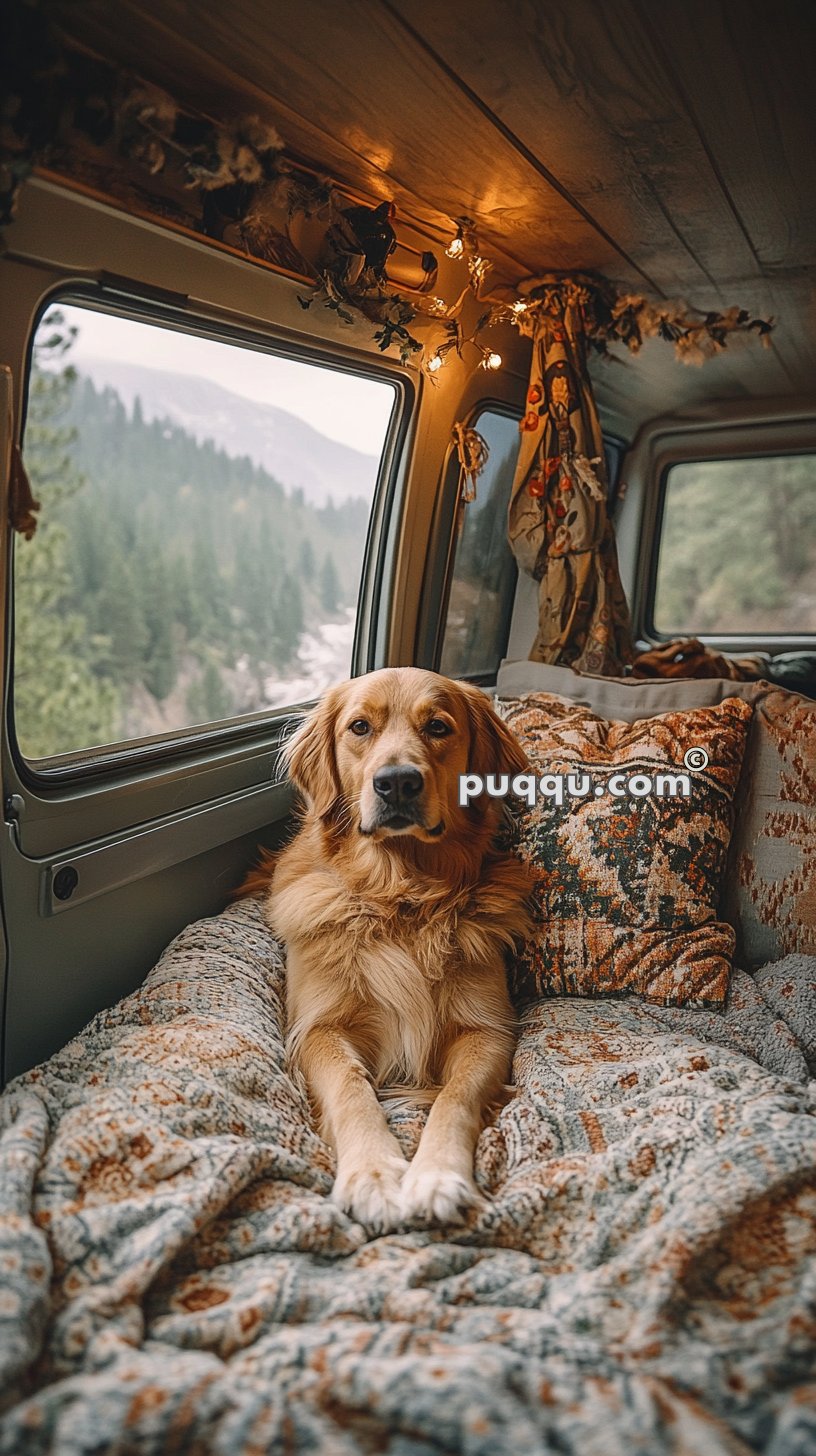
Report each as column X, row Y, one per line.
column 770, row 879
column 627, row 887
column 770, row 893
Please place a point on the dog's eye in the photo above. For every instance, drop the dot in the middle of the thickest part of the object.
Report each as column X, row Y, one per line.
column 360, row 727
column 438, row 728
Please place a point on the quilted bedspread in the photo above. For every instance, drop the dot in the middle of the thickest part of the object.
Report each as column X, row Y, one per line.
column 175, row 1278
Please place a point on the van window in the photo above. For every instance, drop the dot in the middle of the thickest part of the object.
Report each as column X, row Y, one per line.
column 483, row 578
column 737, row 549
column 205, row 507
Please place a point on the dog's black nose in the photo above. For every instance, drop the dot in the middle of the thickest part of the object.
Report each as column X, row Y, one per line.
column 398, row 784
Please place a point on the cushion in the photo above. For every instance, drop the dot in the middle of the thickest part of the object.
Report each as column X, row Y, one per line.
column 769, row 886
column 627, row 698
column 770, row 883
column 627, row 887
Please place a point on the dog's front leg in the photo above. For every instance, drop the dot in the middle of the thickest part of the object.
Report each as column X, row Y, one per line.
column 370, row 1165
column 439, row 1184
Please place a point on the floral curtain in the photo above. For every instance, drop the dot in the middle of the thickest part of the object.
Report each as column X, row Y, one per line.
column 559, row 528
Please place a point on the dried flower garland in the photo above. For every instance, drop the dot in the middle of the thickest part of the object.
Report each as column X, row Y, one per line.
column 58, row 95
column 611, row 317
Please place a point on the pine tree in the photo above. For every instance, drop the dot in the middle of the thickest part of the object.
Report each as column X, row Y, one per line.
column 183, row 591
column 60, row 703
column 211, row 605
column 289, row 620
column 329, row 585
column 208, row 699
column 307, row 566
column 173, row 551
column 161, row 664
column 121, row 602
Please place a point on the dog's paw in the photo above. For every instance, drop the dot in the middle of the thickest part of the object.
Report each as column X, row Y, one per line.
column 436, row 1195
column 370, row 1194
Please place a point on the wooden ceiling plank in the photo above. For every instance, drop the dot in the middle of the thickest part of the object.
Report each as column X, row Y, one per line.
column 761, row 146
column 513, row 73
column 570, row 134
column 210, row 86
column 571, row 117
column 520, row 146
column 745, row 71
column 536, row 78
column 582, row 88
column 794, row 337
column 350, row 63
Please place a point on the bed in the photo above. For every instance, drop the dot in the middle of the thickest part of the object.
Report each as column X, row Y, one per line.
column 642, row 1278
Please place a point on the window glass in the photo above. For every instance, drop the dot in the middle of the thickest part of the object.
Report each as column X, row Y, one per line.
column 484, row 574
column 204, row 516
column 738, row 547
column 614, row 451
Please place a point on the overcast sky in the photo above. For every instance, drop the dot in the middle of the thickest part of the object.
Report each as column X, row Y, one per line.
column 346, row 408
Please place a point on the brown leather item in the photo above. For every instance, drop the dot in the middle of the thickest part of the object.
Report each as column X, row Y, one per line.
column 687, row 657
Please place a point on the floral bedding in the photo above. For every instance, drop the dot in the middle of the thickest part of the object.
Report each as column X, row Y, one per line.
column 174, row 1276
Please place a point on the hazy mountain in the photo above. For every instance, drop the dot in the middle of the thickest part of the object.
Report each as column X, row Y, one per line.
column 292, row 451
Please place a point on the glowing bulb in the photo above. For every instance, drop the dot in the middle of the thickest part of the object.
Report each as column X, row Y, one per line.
column 493, row 361
column 455, row 247
column 519, row 306
column 435, row 364
column 438, row 305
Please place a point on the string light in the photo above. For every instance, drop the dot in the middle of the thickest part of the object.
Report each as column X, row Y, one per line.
column 464, row 232
column 463, row 245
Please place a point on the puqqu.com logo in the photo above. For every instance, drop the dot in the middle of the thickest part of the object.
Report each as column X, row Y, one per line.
column 559, row 786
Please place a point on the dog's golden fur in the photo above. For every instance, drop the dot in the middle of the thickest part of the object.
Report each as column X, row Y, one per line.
column 396, row 932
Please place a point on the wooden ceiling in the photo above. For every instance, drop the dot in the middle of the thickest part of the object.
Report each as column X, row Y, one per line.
column 669, row 144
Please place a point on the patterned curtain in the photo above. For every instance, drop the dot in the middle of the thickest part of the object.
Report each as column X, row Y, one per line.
column 558, row 525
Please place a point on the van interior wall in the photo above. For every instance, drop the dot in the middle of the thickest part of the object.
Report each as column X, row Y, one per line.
column 63, row 967
column 61, row 236
column 668, row 147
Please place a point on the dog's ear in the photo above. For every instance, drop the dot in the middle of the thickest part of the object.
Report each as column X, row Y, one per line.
column 493, row 748
column 310, row 758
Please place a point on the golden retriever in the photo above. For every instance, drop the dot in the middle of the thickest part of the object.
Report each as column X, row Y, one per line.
column 397, row 910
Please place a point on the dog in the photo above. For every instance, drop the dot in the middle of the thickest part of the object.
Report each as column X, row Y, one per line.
column 397, row 910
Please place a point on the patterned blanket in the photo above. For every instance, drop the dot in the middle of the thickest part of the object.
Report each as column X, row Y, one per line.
column 174, row 1277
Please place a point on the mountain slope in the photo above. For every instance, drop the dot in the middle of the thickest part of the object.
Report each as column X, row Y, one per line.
column 291, row 450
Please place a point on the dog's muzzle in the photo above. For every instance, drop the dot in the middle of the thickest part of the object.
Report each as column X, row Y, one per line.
column 399, row 795
column 399, row 791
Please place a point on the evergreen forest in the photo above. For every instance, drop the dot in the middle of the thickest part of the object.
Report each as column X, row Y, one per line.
column 168, row 583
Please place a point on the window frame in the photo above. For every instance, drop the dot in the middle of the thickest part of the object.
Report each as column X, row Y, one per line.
column 731, row 638
column 442, row 548
column 443, row 532
column 111, row 294
column 615, row 448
